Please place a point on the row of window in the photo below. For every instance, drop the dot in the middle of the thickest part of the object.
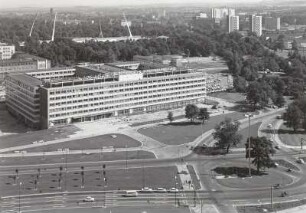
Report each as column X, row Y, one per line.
column 116, row 107
column 124, row 97
column 126, row 85
column 191, row 85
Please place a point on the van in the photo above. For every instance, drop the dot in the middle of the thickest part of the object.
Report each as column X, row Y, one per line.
column 130, row 193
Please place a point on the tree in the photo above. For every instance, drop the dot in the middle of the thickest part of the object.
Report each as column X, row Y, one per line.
column 191, row 111
column 203, row 114
column 257, row 95
column 293, row 116
column 279, row 101
column 240, row 84
column 226, row 134
column 170, row 116
column 261, row 149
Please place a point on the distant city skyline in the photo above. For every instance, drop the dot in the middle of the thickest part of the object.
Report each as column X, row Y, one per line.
column 100, row 3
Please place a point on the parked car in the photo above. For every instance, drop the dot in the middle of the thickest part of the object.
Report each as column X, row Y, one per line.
column 146, row 189
column 89, row 199
column 130, row 193
column 161, row 190
column 173, row 190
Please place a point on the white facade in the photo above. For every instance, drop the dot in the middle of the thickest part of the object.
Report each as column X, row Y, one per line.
column 233, row 23
column 256, row 24
column 6, row 51
column 220, row 13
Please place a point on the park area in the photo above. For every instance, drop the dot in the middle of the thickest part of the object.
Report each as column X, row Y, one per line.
column 85, row 157
column 97, row 142
column 183, row 131
column 287, row 136
column 232, row 97
column 235, row 175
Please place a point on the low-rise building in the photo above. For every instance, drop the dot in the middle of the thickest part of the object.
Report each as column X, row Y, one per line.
column 21, row 63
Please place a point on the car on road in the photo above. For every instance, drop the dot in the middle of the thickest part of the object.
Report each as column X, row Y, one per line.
column 161, row 190
column 300, row 161
column 130, row 193
column 276, row 186
column 276, row 147
column 173, row 190
column 89, row 199
column 284, row 194
column 146, row 189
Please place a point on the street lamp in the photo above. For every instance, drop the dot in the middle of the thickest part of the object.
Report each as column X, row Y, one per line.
column 20, row 183
column 66, row 168
column 175, row 178
column 249, row 115
column 126, row 156
column 272, row 198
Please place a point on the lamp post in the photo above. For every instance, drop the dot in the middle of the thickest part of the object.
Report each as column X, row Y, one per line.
column 302, row 139
column 66, row 169
column 249, row 115
column 272, row 198
column 126, row 156
column 175, row 178
column 20, row 183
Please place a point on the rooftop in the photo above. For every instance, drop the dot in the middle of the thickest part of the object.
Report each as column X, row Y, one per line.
column 27, row 79
column 21, row 57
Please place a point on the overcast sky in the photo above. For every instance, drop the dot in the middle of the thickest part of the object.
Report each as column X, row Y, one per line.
column 65, row 3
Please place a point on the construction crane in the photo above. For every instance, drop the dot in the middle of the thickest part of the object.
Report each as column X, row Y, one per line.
column 30, row 34
column 53, row 31
column 131, row 36
column 101, row 33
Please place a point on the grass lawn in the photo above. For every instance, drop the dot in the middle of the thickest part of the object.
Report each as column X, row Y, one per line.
column 245, row 134
column 45, row 135
column 288, row 137
column 98, row 142
column 184, row 132
column 232, row 97
column 271, row 177
column 108, row 156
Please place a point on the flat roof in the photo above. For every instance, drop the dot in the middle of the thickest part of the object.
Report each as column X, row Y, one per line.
column 27, row 79
column 102, row 68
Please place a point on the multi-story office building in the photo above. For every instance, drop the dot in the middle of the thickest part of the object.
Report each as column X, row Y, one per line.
column 23, row 93
column 95, row 91
column 256, row 24
column 98, row 91
column 22, row 63
column 271, row 23
column 6, row 51
column 233, row 23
